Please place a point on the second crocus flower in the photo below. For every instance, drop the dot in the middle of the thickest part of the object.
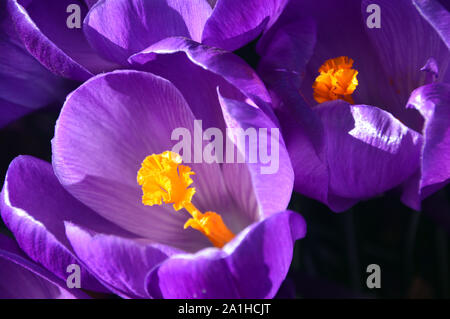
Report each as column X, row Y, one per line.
column 119, row 203
column 346, row 95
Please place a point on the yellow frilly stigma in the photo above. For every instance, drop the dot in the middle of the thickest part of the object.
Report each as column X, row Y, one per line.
column 164, row 179
column 337, row 80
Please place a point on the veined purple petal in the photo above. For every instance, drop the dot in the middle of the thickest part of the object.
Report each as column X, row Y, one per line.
column 26, row 84
column 52, row 19
column 20, row 278
column 433, row 103
column 234, row 23
column 253, row 265
column 34, row 207
column 42, row 47
column 224, row 64
column 139, row 24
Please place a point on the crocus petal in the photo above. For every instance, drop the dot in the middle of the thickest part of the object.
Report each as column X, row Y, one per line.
column 122, row 262
column 403, row 44
column 20, row 278
column 253, row 265
column 286, row 48
column 437, row 16
column 271, row 165
column 52, row 20
column 433, row 103
column 26, row 84
column 34, row 207
column 138, row 24
column 42, row 48
column 138, row 112
column 368, row 150
column 234, row 23
column 304, row 136
column 225, row 64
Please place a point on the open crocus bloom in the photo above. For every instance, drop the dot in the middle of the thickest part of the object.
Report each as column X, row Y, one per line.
column 112, row 135
column 346, row 95
column 20, row 278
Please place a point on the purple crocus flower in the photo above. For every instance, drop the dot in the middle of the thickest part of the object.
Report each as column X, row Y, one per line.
column 112, row 31
column 352, row 129
column 20, row 278
column 109, row 32
column 88, row 208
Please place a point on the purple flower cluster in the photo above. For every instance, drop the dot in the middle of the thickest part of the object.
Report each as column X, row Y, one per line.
column 143, row 68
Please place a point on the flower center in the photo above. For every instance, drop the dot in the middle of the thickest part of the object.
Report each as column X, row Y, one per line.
column 164, row 179
column 337, row 80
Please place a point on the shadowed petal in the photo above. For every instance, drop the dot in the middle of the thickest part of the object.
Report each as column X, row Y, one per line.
column 52, row 19
column 42, row 47
column 234, row 23
column 26, row 84
column 139, row 24
column 286, row 48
